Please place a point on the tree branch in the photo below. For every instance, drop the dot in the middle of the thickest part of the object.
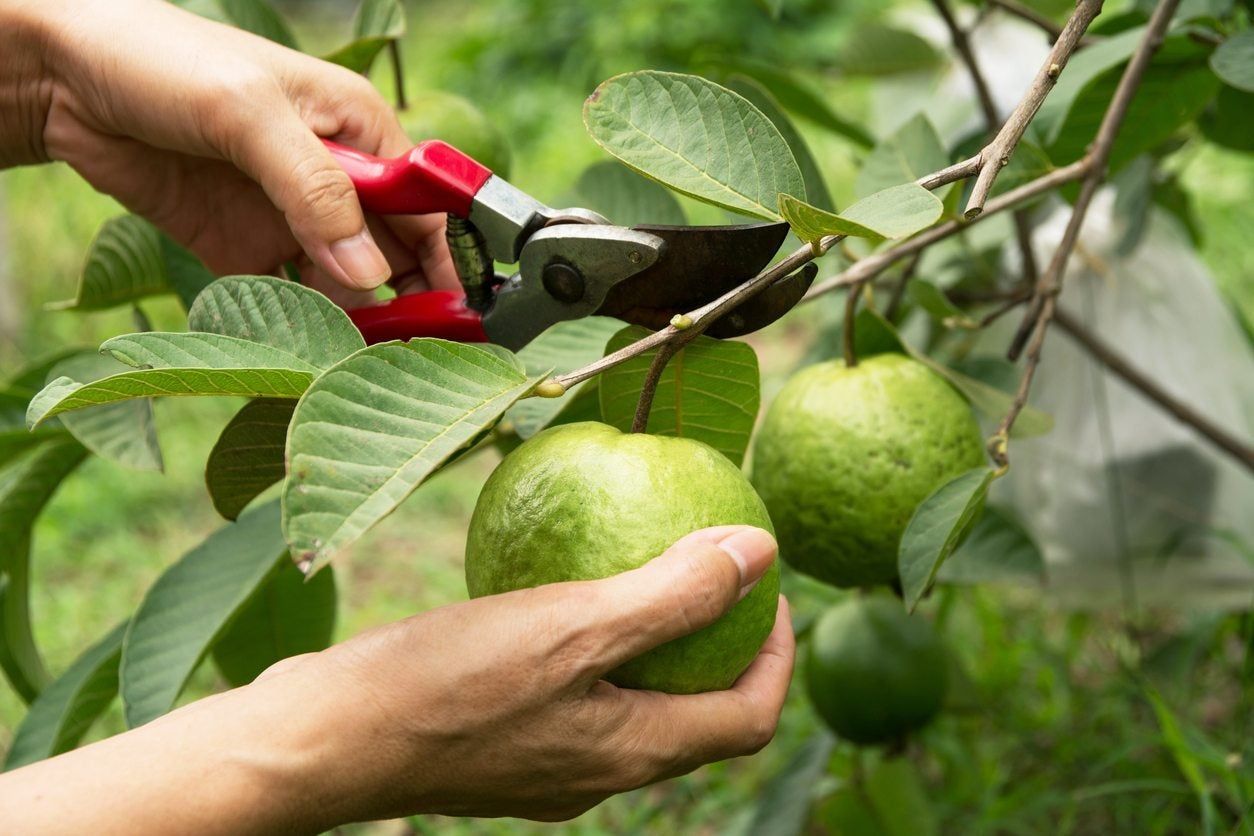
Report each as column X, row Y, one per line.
column 701, row 318
column 996, row 155
column 963, row 47
column 643, row 406
column 1031, row 15
column 1242, row 452
column 1044, row 301
column 847, row 336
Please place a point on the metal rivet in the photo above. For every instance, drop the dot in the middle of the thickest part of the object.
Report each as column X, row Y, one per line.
column 635, row 257
column 563, row 282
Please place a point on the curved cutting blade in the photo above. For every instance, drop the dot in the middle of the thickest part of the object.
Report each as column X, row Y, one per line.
column 699, row 264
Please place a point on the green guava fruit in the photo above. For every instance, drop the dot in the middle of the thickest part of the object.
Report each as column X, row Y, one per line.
column 435, row 114
column 584, row 501
column 873, row 672
column 845, row 455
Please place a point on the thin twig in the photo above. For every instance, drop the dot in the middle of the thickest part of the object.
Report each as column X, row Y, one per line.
column 963, row 47
column 876, row 263
column 848, row 336
column 1031, row 15
column 899, row 289
column 1002, row 309
column 996, row 155
column 1226, row 441
column 1044, row 302
column 651, row 378
column 398, row 73
column 962, row 44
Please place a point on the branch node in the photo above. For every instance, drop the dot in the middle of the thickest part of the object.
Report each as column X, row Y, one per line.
column 550, row 389
column 681, row 322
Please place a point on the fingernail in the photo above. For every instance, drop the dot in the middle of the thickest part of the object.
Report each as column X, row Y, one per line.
column 360, row 259
column 753, row 550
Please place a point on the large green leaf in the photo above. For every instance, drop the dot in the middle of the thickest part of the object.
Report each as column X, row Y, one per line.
column 248, row 456
column 797, row 97
column 123, row 264
column 893, row 213
column 287, row 616
column 912, row 151
column 696, row 137
column 895, row 790
column 260, row 18
column 757, row 95
column 130, row 259
column 1233, row 61
column 1176, row 87
column 562, row 348
column 877, row 49
column 190, row 606
column 61, row 715
column 375, row 426
column 181, row 365
column 709, row 391
column 998, row 550
column 937, row 527
column 376, row 24
column 783, row 808
column 1082, row 68
column 625, row 197
column 27, row 482
column 123, row 432
column 278, row 313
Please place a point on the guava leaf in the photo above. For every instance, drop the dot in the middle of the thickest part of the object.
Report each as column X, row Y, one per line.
column 938, row 525
column 190, row 605
column 287, row 616
column 798, row 98
column 1177, row 86
column 562, row 348
column 877, row 49
column 376, row 24
column 130, row 259
column 893, row 213
column 896, row 792
column 757, row 95
column 932, row 299
column 27, row 482
column 625, row 197
column 696, row 137
column 278, row 313
column 1233, row 61
column 998, row 550
column 123, row 432
column 913, row 150
column 784, row 806
column 709, row 391
column 180, row 365
column 61, row 715
column 260, row 18
column 375, row 426
column 248, row 456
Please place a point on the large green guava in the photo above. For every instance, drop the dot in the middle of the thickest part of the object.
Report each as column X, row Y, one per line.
column 584, row 501
column 845, row 455
column 873, row 672
column 435, row 114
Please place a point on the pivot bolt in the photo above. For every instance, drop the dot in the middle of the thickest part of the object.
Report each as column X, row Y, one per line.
column 563, row 282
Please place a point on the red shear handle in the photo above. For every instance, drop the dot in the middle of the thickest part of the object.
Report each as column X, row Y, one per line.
column 432, row 177
column 435, row 313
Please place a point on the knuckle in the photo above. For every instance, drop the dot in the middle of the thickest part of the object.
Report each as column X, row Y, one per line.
column 707, row 590
column 759, row 731
column 575, row 643
column 325, row 194
column 234, row 100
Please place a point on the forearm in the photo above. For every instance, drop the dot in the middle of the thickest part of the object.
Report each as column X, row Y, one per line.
column 239, row 762
column 26, row 81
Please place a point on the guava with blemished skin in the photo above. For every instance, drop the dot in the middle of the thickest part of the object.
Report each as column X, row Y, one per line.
column 585, row 501
column 846, row 454
column 873, row 672
column 435, row 114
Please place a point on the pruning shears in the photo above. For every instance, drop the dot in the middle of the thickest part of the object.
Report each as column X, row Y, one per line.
column 572, row 263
